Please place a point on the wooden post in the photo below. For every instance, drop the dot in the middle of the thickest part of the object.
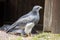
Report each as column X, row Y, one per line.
column 48, row 15
column 56, row 17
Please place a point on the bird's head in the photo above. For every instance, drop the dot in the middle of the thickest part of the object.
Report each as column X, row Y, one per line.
column 37, row 8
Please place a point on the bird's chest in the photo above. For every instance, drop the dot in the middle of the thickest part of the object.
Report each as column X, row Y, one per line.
column 36, row 19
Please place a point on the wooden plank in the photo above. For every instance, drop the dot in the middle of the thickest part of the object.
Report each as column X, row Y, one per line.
column 56, row 17
column 48, row 15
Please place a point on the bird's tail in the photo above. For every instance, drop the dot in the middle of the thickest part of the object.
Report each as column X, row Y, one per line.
column 11, row 27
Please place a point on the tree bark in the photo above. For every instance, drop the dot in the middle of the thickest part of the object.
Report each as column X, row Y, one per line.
column 56, row 17
column 48, row 15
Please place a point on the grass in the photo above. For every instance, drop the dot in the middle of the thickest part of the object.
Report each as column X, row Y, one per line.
column 45, row 36
column 19, row 38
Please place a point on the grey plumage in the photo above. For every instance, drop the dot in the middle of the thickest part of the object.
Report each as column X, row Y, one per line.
column 31, row 17
column 5, row 27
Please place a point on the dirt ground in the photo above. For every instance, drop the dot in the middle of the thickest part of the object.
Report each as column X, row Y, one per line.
column 6, row 36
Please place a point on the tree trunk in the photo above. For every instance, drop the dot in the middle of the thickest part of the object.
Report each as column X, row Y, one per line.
column 56, row 17
column 48, row 15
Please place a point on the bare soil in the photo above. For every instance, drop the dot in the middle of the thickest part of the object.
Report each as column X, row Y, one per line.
column 6, row 36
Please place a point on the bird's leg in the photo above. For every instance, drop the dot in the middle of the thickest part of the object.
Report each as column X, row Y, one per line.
column 24, row 35
column 29, row 34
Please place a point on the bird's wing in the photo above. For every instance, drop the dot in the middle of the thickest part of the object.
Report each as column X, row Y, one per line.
column 22, row 21
column 5, row 27
column 26, row 19
column 17, row 31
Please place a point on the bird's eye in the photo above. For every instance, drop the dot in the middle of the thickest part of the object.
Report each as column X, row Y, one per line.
column 37, row 7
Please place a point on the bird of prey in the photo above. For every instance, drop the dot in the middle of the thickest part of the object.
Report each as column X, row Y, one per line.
column 27, row 21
